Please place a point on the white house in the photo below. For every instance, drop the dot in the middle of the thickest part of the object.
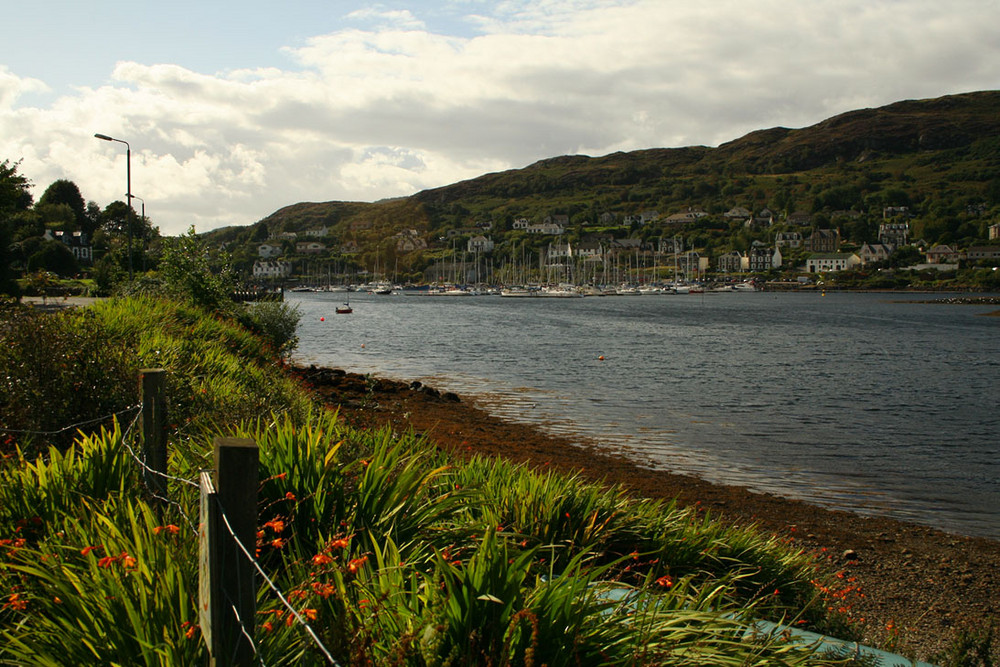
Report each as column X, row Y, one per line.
column 272, row 269
column 874, row 252
column 835, row 261
column 309, row 247
column 545, row 228
column 521, row 223
column 268, row 250
column 480, row 244
column 318, row 233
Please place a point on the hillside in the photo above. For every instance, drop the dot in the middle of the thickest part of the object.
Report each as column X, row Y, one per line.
column 940, row 158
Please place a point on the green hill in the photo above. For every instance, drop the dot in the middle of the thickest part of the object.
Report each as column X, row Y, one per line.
column 940, row 158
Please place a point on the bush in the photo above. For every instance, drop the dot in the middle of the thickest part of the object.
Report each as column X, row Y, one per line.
column 62, row 369
column 274, row 321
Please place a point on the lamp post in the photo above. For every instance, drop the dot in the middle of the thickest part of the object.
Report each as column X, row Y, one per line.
column 128, row 193
column 142, row 220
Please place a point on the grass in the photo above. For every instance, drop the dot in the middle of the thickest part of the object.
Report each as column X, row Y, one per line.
column 393, row 553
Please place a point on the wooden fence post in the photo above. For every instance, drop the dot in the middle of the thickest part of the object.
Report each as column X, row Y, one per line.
column 227, row 587
column 154, row 434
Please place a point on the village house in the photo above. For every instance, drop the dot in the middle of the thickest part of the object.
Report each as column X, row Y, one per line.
column 559, row 219
column 830, row 262
column 268, row 250
column 763, row 259
column 800, row 219
column 590, row 250
column 559, row 251
column 521, row 223
column 823, row 241
column 350, row 248
column 670, row 245
column 895, row 234
column 409, row 240
column 309, row 248
column 763, row 219
column 647, row 217
column 264, row 269
column 607, row 218
column 691, row 264
column 318, row 233
column 788, row 240
column 737, row 213
column 285, row 236
column 545, row 228
column 632, row 220
column 75, row 241
column 874, row 252
column 480, row 243
column 980, row 253
column 731, row 262
column 943, row 254
column 690, row 215
column 895, row 211
column 995, row 231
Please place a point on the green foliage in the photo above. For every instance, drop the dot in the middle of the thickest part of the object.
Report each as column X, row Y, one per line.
column 109, row 587
column 393, row 553
column 275, row 322
column 187, row 273
column 66, row 193
column 61, row 369
column 55, row 257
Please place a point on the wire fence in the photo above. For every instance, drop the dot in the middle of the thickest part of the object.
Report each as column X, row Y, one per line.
column 131, row 441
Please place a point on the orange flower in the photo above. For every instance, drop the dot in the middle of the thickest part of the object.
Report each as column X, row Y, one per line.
column 106, row 562
column 16, row 602
column 86, row 550
column 665, row 581
column 277, row 543
column 268, row 626
column 277, row 525
column 289, row 496
column 310, row 614
column 191, row 632
column 356, row 564
column 127, row 561
column 170, row 528
column 281, row 475
column 342, row 543
column 321, row 559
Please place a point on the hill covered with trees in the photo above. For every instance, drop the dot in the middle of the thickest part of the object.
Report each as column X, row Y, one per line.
column 933, row 164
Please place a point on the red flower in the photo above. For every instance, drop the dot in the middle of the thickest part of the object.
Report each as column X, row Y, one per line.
column 321, row 559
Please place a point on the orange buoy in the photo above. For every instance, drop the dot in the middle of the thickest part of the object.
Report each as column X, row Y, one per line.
column 600, row 358
column 322, row 319
column 362, row 346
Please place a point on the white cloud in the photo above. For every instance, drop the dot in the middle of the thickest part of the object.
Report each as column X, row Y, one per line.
column 395, row 108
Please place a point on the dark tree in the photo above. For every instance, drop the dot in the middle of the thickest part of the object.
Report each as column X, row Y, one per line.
column 66, row 192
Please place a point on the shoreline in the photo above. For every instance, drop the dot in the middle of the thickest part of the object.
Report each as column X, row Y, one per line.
column 916, row 586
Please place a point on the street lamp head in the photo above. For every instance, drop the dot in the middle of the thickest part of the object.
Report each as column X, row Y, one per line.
column 104, row 136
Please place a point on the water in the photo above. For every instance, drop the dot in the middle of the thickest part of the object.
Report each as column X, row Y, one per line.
column 849, row 401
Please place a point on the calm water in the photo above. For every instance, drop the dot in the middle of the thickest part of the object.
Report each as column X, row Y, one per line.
column 845, row 400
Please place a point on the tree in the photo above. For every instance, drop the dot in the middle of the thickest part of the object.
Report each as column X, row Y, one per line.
column 15, row 200
column 15, row 190
column 67, row 193
column 54, row 257
column 187, row 273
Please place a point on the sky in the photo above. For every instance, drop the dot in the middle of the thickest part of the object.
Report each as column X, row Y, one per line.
column 232, row 110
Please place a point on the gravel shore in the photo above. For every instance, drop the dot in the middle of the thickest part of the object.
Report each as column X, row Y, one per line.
column 916, row 587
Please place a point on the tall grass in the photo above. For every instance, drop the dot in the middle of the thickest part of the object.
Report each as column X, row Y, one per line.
column 392, row 552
